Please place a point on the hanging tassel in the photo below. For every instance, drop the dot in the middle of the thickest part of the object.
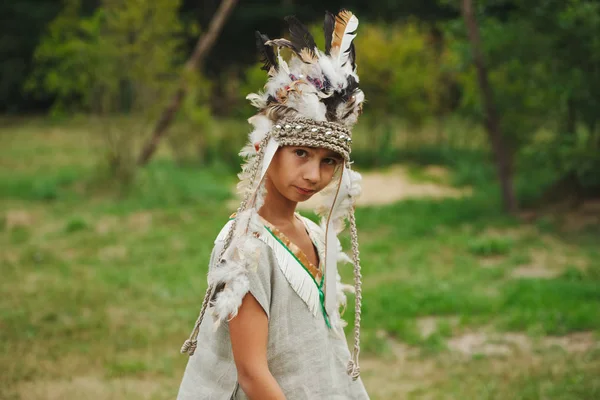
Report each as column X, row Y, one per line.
column 190, row 345
column 353, row 367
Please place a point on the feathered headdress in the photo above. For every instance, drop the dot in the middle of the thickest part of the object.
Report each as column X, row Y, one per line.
column 312, row 100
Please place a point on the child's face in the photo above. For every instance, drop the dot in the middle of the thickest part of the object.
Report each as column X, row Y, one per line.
column 300, row 172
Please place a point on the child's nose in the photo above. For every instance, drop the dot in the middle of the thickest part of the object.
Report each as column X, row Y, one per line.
column 312, row 172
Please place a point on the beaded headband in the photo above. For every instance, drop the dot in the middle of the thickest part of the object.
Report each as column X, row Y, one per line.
column 306, row 132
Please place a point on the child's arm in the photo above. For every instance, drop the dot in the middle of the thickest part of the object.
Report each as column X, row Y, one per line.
column 249, row 332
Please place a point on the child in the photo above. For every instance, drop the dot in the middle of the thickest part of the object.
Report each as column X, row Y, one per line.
column 274, row 292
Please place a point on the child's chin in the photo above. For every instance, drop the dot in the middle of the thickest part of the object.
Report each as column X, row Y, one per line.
column 300, row 198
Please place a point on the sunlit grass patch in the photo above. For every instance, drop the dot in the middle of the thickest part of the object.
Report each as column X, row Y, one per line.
column 553, row 307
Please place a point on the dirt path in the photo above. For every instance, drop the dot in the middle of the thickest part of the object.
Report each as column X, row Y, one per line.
column 394, row 184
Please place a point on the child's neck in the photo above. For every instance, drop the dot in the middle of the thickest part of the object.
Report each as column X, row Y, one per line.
column 277, row 209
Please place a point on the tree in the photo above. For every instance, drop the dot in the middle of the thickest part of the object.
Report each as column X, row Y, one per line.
column 502, row 155
column 117, row 65
column 204, row 44
column 572, row 54
column 24, row 23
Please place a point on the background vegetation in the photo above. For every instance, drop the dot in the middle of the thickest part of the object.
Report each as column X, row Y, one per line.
column 103, row 260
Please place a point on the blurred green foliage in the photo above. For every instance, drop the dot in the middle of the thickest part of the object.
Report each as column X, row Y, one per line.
column 190, row 137
column 119, row 60
column 121, row 65
column 423, row 101
column 400, row 71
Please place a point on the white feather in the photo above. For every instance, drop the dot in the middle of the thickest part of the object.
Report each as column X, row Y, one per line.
column 317, row 235
column 341, row 212
column 360, row 96
column 277, row 82
column 351, row 26
column 283, row 66
column 262, row 126
column 329, row 71
column 257, row 100
column 296, row 65
column 241, row 258
column 306, row 101
column 247, row 151
column 261, row 195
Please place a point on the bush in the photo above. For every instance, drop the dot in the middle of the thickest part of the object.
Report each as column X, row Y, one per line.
column 189, row 137
column 121, row 62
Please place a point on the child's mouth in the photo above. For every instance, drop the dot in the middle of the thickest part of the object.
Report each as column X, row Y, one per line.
column 304, row 191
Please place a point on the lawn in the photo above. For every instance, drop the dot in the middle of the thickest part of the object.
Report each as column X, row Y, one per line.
column 100, row 289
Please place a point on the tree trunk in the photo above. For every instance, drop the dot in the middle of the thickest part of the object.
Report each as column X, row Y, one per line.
column 502, row 156
column 204, row 44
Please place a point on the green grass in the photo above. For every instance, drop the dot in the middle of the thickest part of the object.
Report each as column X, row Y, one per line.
column 104, row 284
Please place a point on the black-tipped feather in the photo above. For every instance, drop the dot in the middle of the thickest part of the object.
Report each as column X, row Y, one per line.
column 328, row 26
column 267, row 53
column 352, row 57
column 332, row 102
column 351, row 87
column 300, row 35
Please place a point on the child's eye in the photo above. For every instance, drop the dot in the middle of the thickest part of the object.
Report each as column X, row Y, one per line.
column 300, row 153
column 330, row 161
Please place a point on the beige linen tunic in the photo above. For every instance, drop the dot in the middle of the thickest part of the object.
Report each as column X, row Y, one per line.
column 306, row 357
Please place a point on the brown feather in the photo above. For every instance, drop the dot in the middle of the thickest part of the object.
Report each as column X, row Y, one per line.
column 308, row 56
column 348, row 109
column 282, row 95
column 278, row 111
column 341, row 20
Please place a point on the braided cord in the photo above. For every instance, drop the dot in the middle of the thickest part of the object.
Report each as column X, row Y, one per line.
column 353, row 367
column 190, row 345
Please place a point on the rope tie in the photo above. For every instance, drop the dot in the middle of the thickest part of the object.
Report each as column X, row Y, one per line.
column 353, row 368
column 190, row 345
